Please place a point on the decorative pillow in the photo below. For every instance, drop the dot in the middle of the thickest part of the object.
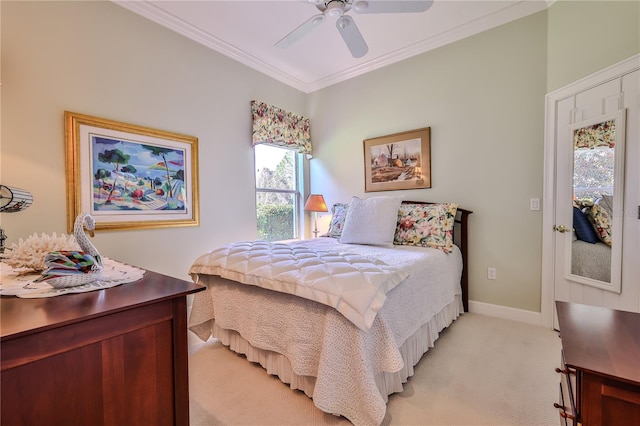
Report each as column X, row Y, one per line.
column 584, row 229
column 338, row 215
column 371, row 221
column 583, row 202
column 606, row 201
column 601, row 221
column 426, row 225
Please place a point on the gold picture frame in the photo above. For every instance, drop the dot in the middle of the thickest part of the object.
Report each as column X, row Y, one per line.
column 128, row 176
column 398, row 161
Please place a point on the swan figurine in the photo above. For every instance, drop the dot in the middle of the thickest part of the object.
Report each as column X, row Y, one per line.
column 73, row 268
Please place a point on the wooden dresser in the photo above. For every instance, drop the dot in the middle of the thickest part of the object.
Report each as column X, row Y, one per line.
column 116, row 356
column 600, row 372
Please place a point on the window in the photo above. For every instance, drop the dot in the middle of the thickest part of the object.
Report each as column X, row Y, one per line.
column 277, row 193
column 593, row 173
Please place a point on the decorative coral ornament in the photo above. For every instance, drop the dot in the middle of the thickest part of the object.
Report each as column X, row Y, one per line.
column 28, row 255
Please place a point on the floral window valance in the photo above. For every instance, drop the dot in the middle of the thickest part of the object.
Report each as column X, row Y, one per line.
column 276, row 126
column 601, row 134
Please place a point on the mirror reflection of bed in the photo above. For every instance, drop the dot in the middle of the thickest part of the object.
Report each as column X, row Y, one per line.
column 593, row 182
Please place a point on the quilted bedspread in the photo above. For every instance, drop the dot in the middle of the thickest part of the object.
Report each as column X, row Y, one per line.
column 351, row 371
column 353, row 284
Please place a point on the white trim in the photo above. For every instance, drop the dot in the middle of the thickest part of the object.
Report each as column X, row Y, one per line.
column 505, row 312
column 548, row 212
column 509, row 13
column 154, row 13
column 610, row 73
column 476, row 26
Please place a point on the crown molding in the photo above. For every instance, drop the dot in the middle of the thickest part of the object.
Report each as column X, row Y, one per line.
column 150, row 11
column 507, row 14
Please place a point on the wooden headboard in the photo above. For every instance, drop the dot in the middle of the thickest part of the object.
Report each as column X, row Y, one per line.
column 460, row 238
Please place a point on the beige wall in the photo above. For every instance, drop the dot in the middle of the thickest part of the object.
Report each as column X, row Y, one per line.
column 483, row 98
column 99, row 59
column 587, row 36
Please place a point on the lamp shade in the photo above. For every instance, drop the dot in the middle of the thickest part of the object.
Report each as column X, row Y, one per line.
column 315, row 203
column 13, row 199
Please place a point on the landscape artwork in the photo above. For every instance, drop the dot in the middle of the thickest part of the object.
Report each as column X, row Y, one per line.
column 398, row 161
column 128, row 176
column 134, row 176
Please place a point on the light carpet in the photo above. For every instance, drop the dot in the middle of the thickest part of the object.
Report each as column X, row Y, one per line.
column 482, row 371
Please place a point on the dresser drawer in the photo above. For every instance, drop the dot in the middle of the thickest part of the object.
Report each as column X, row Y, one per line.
column 609, row 402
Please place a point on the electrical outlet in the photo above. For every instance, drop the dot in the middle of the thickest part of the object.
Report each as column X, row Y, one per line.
column 491, row 273
column 534, row 204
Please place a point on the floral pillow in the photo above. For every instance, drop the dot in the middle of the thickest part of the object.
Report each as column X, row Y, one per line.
column 606, row 201
column 339, row 213
column 426, row 225
column 601, row 221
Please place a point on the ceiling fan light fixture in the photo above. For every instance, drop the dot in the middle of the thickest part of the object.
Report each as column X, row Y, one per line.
column 346, row 25
column 335, row 8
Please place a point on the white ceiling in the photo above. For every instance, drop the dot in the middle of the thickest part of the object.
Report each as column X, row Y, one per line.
column 247, row 31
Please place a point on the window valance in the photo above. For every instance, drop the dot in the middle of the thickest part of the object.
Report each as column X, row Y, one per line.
column 278, row 127
column 601, row 134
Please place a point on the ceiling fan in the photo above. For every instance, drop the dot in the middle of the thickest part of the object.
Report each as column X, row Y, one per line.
column 346, row 25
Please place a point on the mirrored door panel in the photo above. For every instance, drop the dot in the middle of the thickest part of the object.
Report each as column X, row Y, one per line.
column 597, row 192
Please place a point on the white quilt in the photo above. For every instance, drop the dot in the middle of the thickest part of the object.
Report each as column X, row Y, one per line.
column 355, row 285
column 344, row 363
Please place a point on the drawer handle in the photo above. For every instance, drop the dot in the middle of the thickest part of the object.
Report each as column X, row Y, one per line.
column 563, row 412
column 564, row 415
column 565, row 371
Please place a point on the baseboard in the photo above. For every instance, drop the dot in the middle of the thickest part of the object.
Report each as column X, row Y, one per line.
column 529, row 317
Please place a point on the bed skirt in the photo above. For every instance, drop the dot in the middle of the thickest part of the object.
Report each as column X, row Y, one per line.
column 411, row 350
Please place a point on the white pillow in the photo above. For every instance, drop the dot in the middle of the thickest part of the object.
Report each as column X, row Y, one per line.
column 371, row 221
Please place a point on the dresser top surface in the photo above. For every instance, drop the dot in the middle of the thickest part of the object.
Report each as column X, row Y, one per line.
column 600, row 340
column 24, row 316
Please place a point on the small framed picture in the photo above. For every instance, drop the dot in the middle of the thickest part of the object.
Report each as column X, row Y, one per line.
column 398, row 161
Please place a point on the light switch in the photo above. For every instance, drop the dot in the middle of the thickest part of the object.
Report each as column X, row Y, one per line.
column 534, row 204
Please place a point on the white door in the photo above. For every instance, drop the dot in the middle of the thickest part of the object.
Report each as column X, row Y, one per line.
column 574, row 268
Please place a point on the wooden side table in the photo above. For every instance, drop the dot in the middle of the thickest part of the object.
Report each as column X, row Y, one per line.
column 109, row 357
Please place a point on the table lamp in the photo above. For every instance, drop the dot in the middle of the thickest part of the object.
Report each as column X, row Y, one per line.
column 315, row 203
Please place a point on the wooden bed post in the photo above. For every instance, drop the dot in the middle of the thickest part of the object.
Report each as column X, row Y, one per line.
column 464, row 281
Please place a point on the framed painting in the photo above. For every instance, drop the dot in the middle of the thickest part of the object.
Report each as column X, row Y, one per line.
column 398, row 161
column 128, row 176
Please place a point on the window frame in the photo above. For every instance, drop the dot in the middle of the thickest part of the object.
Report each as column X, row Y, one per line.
column 296, row 192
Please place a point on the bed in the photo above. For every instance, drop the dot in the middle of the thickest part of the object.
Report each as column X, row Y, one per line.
column 591, row 260
column 348, row 360
column 591, row 247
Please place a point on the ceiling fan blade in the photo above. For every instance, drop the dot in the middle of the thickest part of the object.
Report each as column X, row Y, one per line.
column 351, row 36
column 301, row 31
column 389, row 6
